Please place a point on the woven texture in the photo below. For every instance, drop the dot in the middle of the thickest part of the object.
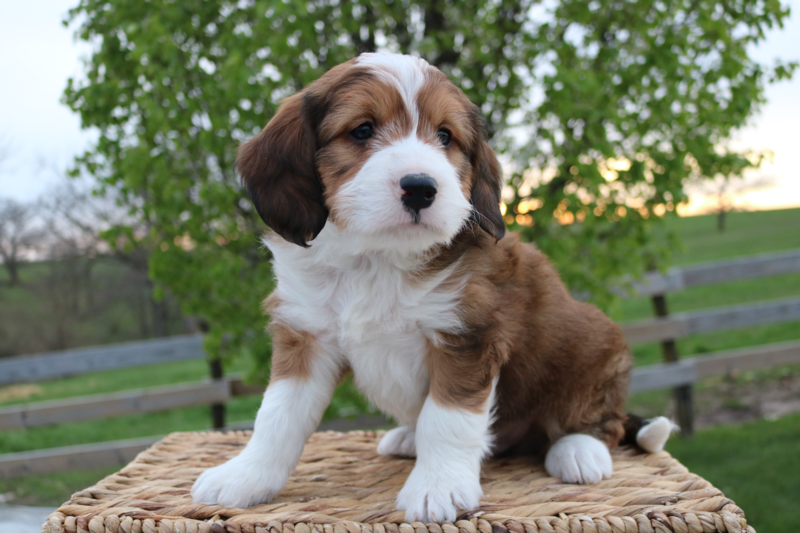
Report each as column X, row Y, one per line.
column 343, row 486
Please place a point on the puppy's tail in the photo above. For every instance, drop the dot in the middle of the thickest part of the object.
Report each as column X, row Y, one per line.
column 648, row 434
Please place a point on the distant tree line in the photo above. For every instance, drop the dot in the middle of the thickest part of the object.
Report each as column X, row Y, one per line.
column 64, row 285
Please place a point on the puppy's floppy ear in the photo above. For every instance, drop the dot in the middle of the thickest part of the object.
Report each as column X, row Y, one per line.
column 278, row 168
column 487, row 181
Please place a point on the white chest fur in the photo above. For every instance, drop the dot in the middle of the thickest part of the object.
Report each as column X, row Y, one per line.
column 368, row 311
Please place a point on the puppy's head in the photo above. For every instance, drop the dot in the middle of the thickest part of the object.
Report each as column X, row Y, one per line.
column 383, row 146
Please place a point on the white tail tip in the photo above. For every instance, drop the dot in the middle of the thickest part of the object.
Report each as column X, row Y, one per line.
column 652, row 436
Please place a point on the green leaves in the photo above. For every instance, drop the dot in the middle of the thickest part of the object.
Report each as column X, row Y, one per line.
column 639, row 98
column 604, row 111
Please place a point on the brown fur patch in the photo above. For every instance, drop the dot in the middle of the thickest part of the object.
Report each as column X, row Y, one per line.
column 292, row 352
column 487, row 182
column 563, row 365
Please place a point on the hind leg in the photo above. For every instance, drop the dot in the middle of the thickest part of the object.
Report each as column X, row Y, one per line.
column 400, row 442
column 579, row 458
column 583, row 457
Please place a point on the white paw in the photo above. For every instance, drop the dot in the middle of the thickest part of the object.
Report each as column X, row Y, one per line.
column 652, row 436
column 399, row 441
column 580, row 459
column 241, row 482
column 428, row 497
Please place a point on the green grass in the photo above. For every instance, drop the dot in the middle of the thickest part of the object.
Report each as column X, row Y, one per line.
column 748, row 233
column 51, row 490
column 117, row 380
column 756, row 464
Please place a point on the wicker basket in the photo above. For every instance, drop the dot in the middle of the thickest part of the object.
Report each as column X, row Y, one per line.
column 343, row 486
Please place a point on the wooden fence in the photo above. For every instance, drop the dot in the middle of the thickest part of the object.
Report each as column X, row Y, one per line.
column 40, row 367
column 666, row 328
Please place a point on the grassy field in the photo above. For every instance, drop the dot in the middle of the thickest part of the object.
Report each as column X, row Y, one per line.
column 755, row 464
column 78, row 302
column 749, row 478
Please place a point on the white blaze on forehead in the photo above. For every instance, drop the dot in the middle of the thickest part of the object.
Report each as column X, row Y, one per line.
column 407, row 73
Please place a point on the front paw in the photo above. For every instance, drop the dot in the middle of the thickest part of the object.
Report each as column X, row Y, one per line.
column 580, row 459
column 241, row 482
column 399, row 441
column 429, row 498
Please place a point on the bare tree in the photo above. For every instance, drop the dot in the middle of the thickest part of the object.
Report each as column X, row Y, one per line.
column 18, row 235
column 76, row 219
column 728, row 189
column 76, row 215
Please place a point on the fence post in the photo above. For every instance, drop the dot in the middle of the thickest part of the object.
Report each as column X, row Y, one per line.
column 683, row 394
column 217, row 373
column 217, row 409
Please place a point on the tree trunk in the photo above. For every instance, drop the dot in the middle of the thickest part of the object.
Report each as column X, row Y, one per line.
column 142, row 297
column 721, row 220
column 13, row 272
column 88, row 265
column 160, row 316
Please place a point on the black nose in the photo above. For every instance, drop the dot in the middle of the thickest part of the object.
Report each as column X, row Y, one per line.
column 419, row 191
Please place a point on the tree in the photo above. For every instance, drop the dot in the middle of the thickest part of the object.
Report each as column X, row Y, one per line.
column 637, row 99
column 77, row 221
column 602, row 109
column 727, row 189
column 173, row 88
column 18, row 236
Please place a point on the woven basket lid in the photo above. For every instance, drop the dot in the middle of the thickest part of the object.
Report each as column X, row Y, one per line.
column 343, row 486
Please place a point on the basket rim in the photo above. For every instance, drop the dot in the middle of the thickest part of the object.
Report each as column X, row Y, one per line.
column 74, row 517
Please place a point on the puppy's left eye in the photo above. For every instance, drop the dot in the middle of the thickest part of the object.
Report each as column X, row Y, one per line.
column 444, row 137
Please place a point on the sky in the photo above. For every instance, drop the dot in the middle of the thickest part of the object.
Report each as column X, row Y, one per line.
column 38, row 133
column 38, row 56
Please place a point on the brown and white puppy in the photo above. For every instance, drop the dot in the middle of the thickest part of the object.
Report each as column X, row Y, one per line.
column 391, row 262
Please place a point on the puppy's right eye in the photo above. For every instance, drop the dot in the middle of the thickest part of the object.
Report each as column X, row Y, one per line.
column 363, row 132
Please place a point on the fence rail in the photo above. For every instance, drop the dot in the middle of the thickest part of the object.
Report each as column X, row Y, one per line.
column 692, row 369
column 80, row 457
column 117, row 404
column 52, row 365
column 668, row 328
column 680, row 278
column 682, row 325
column 154, row 399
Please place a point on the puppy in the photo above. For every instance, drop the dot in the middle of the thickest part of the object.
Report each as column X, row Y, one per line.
column 391, row 262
